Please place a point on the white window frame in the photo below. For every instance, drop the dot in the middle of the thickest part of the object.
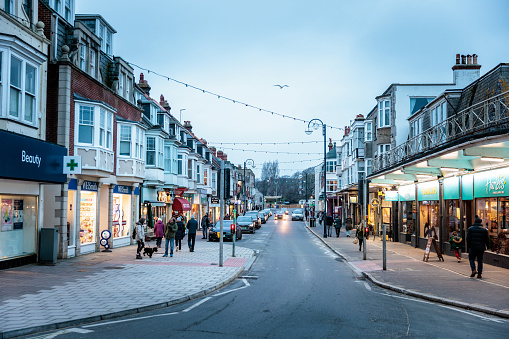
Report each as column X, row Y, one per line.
column 384, row 148
column 151, row 147
column 92, row 62
column 368, row 126
column 95, row 122
column 332, row 185
column 125, row 137
column 331, row 164
column 180, row 164
column 83, row 57
column 369, row 167
column 198, row 173
column 384, row 113
column 160, row 153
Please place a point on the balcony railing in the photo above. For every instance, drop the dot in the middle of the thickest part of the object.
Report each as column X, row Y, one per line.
column 130, row 167
column 95, row 158
column 489, row 115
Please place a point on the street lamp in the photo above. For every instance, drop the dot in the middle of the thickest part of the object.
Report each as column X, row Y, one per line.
column 182, row 109
column 314, row 124
column 251, row 161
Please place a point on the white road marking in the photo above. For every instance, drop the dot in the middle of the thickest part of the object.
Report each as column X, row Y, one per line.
column 130, row 319
column 197, row 304
column 367, row 286
column 67, row 330
column 246, row 284
column 444, row 306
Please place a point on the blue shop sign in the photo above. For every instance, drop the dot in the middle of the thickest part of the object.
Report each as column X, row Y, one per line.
column 89, row 186
column 136, row 191
column 31, row 159
column 73, row 185
column 121, row 189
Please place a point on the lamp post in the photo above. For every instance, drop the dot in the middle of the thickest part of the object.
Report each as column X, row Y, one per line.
column 314, row 124
column 244, row 184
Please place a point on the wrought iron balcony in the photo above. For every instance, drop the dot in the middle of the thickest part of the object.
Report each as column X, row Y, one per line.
column 489, row 116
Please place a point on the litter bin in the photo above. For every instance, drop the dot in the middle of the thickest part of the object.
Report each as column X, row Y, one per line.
column 48, row 246
column 312, row 222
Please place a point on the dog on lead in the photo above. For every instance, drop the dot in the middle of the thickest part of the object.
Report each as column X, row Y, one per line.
column 149, row 251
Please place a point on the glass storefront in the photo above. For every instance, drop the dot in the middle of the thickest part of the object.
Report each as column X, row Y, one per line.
column 408, row 220
column 121, row 215
column 429, row 219
column 71, row 216
column 88, row 203
column 494, row 213
column 18, row 225
column 452, row 209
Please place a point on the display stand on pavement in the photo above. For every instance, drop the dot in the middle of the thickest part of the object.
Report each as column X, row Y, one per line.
column 428, row 249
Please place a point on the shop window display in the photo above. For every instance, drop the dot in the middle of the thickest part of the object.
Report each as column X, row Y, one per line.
column 87, row 217
column 494, row 213
column 121, row 211
column 453, row 217
column 429, row 219
column 18, row 226
column 409, row 217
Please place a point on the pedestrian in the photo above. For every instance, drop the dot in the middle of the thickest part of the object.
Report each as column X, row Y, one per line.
column 306, row 214
column 337, row 226
column 169, row 234
column 329, row 221
column 456, row 244
column 140, row 236
column 359, row 234
column 181, row 233
column 205, row 225
column 192, row 226
column 159, row 231
column 349, row 226
column 477, row 240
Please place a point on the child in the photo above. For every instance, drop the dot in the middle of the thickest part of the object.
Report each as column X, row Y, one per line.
column 455, row 243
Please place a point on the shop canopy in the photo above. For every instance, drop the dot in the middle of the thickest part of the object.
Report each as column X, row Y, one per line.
column 180, row 204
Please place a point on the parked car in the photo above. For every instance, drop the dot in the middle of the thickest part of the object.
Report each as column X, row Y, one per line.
column 279, row 215
column 297, row 214
column 263, row 216
column 228, row 228
column 268, row 211
column 246, row 223
column 256, row 218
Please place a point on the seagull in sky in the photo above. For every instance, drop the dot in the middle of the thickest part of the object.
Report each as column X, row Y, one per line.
column 281, row 86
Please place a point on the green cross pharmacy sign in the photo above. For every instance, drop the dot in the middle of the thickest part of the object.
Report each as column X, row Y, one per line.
column 72, row 165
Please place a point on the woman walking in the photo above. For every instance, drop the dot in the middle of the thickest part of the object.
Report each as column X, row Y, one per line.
column 181, row 233
column 159, row 232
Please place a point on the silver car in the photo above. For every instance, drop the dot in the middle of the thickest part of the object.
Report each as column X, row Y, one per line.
column 297, row 214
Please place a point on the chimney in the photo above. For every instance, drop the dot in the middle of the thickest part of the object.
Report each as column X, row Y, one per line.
column 203, row 141
column 346, row 130
column 330, row 144
column 164, row 103
column 225, row 157
column 144, row 85
column 359, row 117
column 467, row 71
column 220, row 155
column 188, row 126
column 213, row 151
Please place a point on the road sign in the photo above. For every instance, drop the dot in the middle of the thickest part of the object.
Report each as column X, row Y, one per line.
column 375, row 202
column 72, row 164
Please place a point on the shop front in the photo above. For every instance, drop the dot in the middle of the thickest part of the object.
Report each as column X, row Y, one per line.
column 29, row 168
column 387, row 215
column 122, row 215
column 429, row 211
column 88, row 216
column 408, row 220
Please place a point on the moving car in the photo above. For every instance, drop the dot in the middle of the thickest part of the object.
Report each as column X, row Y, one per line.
column 263, row 216
column 256, row 218
column 246, row 223
column 279, row 215
column 285, row 210
column 228, row 229
column 297, row 214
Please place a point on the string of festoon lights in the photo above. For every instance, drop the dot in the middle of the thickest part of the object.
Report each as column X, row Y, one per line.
column 219, row 96
column 292, row 162
column 264, row 143
column 271, row 152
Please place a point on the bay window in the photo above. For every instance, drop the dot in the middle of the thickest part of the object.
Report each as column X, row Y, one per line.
column 198, row 174
column 179, row 164
column 125, row 141
column 151, row 151
column 167, row 158
column 94, row 124
column 160, row 153
column 15, row 89
column 384, row 113
column 205, row 176
column 368, row 125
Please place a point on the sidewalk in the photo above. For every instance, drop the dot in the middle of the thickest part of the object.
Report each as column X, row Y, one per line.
column 102, row 285
column 446, row 282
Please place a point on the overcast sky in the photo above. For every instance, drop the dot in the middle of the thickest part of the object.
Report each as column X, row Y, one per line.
column 335, row 56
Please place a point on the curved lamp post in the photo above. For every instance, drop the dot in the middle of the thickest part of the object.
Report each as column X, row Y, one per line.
column 314, row 125
column 252, row 164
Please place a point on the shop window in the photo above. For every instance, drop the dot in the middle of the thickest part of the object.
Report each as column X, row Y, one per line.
column 408, row 214
column 453, row 218
column 88, row 217
column 121, row 213
column 494, row 213
column 429, row 219
column 18, row 225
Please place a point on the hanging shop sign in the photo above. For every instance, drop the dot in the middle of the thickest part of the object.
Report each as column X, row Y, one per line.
column 375, row 202
column 353, row 200
column 491, row 183
column 391, row 196
column 407, row 193
column 164, row 196
column 428, row 191
column 451, row 188
column 31, row 159
column 214, row 200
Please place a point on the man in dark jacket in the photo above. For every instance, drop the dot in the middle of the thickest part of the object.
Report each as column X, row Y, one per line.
column 192, row 226
column 477, row 241
column 205, row 225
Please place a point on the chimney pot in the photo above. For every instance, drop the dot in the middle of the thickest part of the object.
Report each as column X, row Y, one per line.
column 475, row 59
column 457, row 59
column 463, row 61
column 469, row 59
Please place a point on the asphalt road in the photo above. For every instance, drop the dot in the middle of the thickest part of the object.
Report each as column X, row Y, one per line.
column 297, row 288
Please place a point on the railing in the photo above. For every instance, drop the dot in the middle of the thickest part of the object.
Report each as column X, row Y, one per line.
column 491, row 114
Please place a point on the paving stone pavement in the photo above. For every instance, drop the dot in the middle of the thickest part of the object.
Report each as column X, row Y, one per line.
column 445, row 281
column 98, row 285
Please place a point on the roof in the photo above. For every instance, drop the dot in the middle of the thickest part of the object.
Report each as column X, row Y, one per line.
column 80, row 98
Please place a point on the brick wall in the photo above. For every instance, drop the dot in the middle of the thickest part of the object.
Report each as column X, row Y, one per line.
column 87, row 87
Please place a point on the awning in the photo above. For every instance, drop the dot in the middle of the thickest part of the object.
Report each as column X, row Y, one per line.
column 180, row 204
